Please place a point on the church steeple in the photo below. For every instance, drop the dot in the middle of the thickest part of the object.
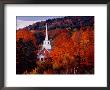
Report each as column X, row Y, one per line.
column 46, row 42
column 46, row 37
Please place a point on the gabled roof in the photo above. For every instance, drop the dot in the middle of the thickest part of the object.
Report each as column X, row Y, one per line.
column 44, row 52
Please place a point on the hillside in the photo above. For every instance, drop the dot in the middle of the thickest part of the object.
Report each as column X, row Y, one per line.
column 72, row 41
column 68, row 22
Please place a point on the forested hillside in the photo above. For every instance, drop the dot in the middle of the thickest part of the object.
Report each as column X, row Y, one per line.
column 72, row 40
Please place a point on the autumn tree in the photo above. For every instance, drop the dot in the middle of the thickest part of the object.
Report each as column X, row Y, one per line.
column 84, row 47
column 26, row 35
column 25, row 52
column 62, row 53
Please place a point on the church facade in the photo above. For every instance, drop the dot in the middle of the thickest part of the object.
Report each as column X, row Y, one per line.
column 46, row 48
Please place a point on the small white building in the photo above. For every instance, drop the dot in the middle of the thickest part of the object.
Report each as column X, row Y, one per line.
column 41, row 57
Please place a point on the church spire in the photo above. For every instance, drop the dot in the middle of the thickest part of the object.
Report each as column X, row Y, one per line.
column 46, row 37
column 46, row 42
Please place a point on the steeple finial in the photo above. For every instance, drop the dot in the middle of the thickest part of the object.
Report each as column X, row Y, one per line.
column 46, row 37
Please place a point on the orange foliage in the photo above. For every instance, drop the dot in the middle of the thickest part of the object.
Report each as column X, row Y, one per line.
column 66, row 48
column 62, row 53
column 26, row 35
column 84, row 44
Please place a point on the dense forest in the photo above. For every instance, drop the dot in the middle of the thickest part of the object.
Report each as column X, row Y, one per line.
column 72, row 40
column 67, row 22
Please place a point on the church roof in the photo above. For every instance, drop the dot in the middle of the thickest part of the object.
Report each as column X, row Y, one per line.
column 49, row 50
column 44, row 52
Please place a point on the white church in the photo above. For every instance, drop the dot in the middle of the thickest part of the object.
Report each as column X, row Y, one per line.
column 46, row 48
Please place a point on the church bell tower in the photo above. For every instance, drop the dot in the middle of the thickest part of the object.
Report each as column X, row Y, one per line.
column 46, row 42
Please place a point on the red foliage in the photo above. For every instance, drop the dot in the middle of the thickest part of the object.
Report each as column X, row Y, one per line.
column 26, row 35
column 84, row 45
column 62, row 53
column 66, row 48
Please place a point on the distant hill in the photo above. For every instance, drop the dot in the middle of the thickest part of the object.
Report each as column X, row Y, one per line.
column 67, row 22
